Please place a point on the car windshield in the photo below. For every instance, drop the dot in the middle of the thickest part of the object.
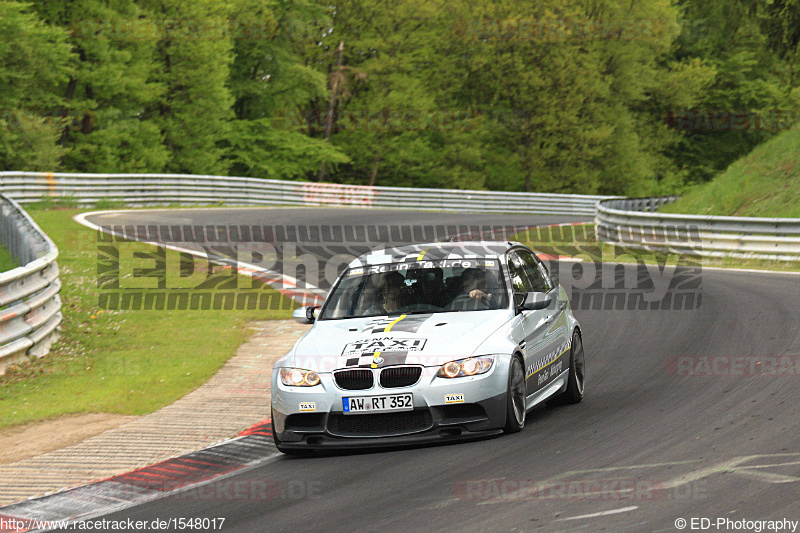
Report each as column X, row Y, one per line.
column 417, row 287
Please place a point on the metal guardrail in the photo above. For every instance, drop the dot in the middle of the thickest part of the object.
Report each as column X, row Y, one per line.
column 30, row 308
column 631, row 223
column 159, row 189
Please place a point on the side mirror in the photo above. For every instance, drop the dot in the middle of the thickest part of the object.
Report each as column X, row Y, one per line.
column 305, row 315
column 534, row 301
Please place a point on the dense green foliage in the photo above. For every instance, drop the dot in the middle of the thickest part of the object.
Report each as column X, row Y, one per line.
column 600, row 96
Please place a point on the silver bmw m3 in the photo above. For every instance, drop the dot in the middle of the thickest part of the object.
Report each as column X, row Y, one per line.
column 428, row 343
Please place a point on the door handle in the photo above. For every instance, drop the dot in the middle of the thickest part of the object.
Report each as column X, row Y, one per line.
column 562, row 305
column 548, row 319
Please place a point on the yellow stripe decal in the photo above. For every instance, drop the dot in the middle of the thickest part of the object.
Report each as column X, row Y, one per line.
column 422, row 254
column 389, row 327
column 548, row 364
column 386, row 330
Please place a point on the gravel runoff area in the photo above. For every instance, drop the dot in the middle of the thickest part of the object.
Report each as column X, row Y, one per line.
column 234, row 399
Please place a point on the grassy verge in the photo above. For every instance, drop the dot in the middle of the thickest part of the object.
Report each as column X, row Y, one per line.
column 7, row 262
column 765, row 183
column 580, row 242
column 126, row 362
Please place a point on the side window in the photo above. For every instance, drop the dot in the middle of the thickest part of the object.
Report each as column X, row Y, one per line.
column 536, row 272
column 516, row 271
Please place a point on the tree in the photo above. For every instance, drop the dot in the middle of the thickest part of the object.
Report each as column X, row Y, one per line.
column 568, row 91
column 34, row 61
column 194, row 53
column 110, row 90
column 272, row 86
column 389, row 118
column 749, row 77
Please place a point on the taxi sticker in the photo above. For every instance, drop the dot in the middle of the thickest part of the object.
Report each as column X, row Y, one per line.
column 453, row 398
column 307, row 406
column 383, row 344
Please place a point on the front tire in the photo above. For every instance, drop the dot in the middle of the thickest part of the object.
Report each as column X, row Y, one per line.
column 515, row 397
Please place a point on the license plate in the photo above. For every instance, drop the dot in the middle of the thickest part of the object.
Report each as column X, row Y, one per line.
column 377, row 404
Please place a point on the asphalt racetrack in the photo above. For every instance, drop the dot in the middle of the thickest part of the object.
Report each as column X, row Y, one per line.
column 689, row 413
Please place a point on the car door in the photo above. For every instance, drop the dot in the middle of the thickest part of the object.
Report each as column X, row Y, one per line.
column 554, row 327
column 537, row 346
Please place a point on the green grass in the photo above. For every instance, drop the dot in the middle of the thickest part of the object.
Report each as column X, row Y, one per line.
column 52, row 202
column 7, row 261
column 126, row 362
column 580, row 241
column 765, row 183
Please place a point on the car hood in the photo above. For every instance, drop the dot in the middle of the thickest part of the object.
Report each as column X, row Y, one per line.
column 427, row 339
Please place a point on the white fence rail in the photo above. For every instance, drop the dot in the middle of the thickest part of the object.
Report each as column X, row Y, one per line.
column 30, row 308
column 630, row 222
column 159, row 189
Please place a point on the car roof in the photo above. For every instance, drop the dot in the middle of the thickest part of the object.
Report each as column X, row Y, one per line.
column 435, row 251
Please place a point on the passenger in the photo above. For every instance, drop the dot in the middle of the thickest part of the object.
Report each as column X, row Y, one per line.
column 391, row 293
column 432, row 286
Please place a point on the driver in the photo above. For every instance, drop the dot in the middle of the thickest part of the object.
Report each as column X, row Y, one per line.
column 474, row 284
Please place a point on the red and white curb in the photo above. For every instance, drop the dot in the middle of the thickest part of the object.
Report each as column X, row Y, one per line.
column 254, row 447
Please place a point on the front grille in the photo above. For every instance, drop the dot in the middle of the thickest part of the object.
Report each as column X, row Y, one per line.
column 359, row 379
column 380, row 423
column 400, row 376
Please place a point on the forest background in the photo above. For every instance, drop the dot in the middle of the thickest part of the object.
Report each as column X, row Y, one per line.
column 594, row 97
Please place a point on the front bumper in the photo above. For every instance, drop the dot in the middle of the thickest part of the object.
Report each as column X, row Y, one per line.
column 482, row 411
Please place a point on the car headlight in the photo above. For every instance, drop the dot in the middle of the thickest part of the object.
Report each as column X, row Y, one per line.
column 471, row 366
column 297, row 377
